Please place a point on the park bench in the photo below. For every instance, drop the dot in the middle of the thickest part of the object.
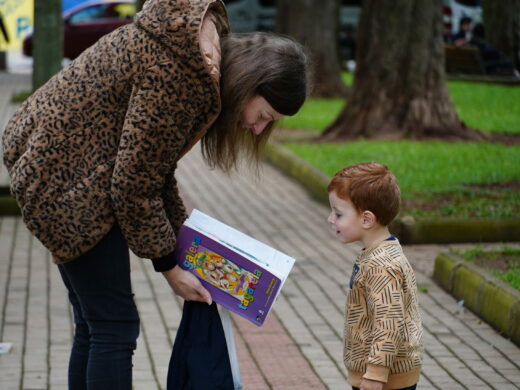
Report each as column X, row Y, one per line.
column 463, row 60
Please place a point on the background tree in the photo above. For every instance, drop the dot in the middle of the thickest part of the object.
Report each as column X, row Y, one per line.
column 316, row 25
column 47, row 46
column 502, row 26
column 399, row 86
column 139, row 5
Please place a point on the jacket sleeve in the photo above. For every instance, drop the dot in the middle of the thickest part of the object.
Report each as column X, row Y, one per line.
column 150, row 143
column 385, row 305
column 176, row 212
column 174, row 205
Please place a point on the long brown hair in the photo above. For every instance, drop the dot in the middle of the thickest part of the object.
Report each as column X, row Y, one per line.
column 272, row 66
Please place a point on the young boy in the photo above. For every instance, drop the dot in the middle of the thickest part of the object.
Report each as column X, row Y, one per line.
column 383, row 331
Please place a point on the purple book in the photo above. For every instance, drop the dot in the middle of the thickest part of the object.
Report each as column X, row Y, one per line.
column 241, row 273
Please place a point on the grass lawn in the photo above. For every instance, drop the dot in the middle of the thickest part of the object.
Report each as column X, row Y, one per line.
column 504, row 263
column 436, row 178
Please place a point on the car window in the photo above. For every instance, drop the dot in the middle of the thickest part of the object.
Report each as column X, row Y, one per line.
column 89, row 14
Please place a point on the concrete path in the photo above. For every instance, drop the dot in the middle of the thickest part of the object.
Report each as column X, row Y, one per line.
column 299, row 346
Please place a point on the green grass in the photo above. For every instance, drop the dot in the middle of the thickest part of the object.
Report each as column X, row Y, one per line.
column 315, row 115
column 429, row 173
column 437, row 179
column 493, row 108
column 504, row 263
column 488, row 107
column 421, row 166
column 511, row 277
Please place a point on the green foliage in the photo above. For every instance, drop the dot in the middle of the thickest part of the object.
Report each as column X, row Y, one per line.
column 436, row 178
column 478, row 251
column 466, row 202
column 510, row 275
column 493, row 108
column 421, row 167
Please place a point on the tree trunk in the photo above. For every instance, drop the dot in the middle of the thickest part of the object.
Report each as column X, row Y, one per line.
column 502, row 27
column 139, row 5
column 47, row 45
column 400, row 85
column 316, row 25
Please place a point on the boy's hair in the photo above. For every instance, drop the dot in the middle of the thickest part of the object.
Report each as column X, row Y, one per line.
column 369, row 186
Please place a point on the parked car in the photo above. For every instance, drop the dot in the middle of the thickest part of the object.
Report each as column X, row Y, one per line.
column 85, row 24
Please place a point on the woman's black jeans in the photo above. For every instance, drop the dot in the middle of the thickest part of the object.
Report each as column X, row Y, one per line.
column 105, row 316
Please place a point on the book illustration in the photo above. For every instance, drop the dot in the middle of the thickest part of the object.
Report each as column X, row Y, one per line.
column 222, row 273
column 242, row 274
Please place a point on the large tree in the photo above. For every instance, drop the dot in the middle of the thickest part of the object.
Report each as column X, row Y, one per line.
column 316, row 25
column 502, row 24
column 399, row 85
column 47, row 45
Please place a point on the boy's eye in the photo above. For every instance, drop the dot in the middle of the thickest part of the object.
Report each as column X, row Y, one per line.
column 338, row 215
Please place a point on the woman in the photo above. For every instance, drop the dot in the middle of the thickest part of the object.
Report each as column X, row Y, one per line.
column 92, row 156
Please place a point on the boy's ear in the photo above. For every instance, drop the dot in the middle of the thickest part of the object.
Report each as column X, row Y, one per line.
column 369, row 219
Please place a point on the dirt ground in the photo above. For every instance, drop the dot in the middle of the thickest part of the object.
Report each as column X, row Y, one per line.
column 501, row 262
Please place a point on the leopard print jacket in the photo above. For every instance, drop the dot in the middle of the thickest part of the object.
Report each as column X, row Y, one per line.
column 99, row 142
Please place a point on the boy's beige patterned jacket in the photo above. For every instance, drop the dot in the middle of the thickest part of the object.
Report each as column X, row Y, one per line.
column 100, row 141
column 383, row 331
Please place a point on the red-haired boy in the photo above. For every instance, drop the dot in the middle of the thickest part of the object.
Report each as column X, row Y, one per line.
column 383, row 332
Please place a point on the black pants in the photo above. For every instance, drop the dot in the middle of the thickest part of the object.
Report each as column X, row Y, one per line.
column 200, row 359
column 105, row 316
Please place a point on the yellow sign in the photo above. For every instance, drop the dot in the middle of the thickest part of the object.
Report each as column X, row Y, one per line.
column 17, row 16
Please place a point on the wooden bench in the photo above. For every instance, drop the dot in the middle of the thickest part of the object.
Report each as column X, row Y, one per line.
column 465, row 60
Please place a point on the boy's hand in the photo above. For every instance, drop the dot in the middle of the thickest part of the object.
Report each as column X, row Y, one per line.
column 186, row 285
column 367, row 384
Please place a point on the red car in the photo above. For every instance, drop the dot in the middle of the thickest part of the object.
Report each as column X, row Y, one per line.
column 85, row 24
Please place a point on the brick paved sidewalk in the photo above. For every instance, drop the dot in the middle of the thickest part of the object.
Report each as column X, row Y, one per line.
column 300, row 344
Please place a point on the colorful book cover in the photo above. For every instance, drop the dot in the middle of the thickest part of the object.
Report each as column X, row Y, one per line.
column 235, row 277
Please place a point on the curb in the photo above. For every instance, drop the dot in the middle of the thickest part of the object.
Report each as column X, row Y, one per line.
column 309, row 176
column 408, row 229
column 491, row 299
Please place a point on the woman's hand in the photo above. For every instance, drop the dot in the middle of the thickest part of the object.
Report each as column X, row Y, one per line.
column 367, row 384
column 187, row 285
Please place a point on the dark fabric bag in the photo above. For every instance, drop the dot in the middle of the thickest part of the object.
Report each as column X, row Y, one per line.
column 200, row 359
